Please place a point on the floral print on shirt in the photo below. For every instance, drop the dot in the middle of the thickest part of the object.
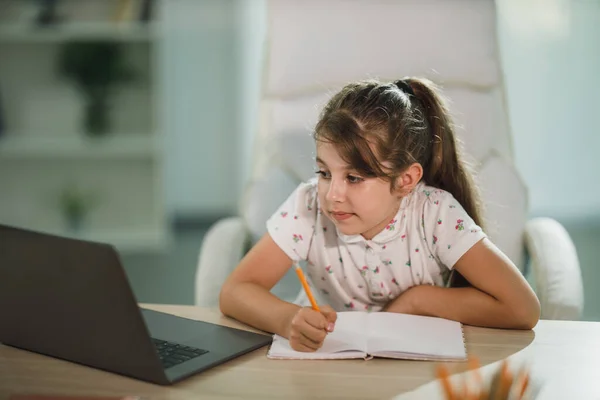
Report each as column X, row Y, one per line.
column 428, row 234
column 391, row 225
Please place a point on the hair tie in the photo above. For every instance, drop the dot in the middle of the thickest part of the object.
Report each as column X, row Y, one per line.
column 404, row 86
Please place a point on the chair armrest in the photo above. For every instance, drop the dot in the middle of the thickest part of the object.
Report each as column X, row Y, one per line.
column 557, row 275
column 222, row 249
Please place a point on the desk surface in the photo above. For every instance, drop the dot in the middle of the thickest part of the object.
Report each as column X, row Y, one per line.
column 566, row 355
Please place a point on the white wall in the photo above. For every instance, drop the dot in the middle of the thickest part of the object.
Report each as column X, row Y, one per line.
column 199, row 69
column 213, row 67
column 551, row 58
column 251, row 33
column 550, row 51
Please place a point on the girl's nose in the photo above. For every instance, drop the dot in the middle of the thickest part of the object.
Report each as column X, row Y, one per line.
column 337, row 190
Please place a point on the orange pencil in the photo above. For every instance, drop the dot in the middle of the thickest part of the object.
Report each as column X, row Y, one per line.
column 444, row 376
column 314, row 304
column 524, row 383
column 505, row 382
column 473, row 366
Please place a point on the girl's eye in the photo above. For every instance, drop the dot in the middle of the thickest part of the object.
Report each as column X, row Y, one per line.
column 354, row 179
column 324, row 174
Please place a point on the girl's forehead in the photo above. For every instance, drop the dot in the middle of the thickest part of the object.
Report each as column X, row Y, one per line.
column 328, row 153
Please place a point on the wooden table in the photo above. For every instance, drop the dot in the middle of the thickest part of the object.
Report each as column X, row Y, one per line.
column 565, row 354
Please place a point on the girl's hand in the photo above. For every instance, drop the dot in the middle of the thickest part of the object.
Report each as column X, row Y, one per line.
column 308, row 328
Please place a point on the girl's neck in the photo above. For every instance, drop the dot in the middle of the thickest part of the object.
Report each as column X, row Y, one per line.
column 371, row 233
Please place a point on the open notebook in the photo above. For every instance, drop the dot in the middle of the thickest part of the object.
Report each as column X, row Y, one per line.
column 382, row 334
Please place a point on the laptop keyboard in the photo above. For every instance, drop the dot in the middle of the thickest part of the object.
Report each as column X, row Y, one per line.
column 172, row 353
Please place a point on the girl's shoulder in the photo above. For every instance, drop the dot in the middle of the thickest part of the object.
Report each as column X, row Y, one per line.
column 310, row 185
column 293, row 225
column 435, row 204
column 306, row 193
column 302, row 203
column 424, row 194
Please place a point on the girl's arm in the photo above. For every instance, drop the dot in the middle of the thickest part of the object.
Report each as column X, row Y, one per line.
column 246, row 295
column 500, row 296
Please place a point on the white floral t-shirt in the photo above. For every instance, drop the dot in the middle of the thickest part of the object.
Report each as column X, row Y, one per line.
column 420, row 246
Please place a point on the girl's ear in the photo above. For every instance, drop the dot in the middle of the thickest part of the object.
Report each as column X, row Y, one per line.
column 408, row 179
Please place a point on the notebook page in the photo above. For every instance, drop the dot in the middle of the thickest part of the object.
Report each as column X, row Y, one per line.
column 348, row 337
column 413, row 336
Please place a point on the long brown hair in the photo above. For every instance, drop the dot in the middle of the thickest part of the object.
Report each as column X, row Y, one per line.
column 380, row 129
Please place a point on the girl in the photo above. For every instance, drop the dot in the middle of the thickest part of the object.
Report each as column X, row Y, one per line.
column 392, row 212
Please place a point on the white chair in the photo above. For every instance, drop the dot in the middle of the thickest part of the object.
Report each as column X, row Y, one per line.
column 315, row 47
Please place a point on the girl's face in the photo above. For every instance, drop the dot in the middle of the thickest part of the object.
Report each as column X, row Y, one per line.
column 356, row 205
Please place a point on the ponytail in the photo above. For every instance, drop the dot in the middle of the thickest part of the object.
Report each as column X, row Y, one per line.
column 444, row 166
column 382, row 128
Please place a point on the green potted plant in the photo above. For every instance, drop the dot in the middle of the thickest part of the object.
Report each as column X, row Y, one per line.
column 96, row 67
column 75, row 207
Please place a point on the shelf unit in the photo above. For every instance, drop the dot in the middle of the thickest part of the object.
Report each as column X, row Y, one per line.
column 126, row 32
column 117, row 146
column 44, row 149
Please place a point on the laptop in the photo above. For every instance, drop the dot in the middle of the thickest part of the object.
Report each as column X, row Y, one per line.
column 70, row 299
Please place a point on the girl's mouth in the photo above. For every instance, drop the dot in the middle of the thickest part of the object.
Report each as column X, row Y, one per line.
column 341, row 216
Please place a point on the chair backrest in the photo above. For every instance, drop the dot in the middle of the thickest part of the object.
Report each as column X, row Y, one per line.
column 315, row 47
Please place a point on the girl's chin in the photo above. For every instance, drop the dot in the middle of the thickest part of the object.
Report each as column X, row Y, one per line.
column 348, row 230
column 355, row 229
column 349, row 226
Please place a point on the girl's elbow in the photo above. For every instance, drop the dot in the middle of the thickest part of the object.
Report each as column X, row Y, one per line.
column 528, row 315
column 224, row 297
column 528, row 322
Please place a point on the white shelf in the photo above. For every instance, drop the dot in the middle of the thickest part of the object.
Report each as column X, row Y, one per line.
column 79, row 31
column 47, row 149
column 114, row 145
column 126, row 240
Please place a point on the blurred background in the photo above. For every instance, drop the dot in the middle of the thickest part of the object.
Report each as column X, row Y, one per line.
column 132, row 122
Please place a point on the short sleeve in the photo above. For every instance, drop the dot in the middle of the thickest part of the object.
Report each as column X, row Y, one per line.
column 293, row 224
column 449, row 231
